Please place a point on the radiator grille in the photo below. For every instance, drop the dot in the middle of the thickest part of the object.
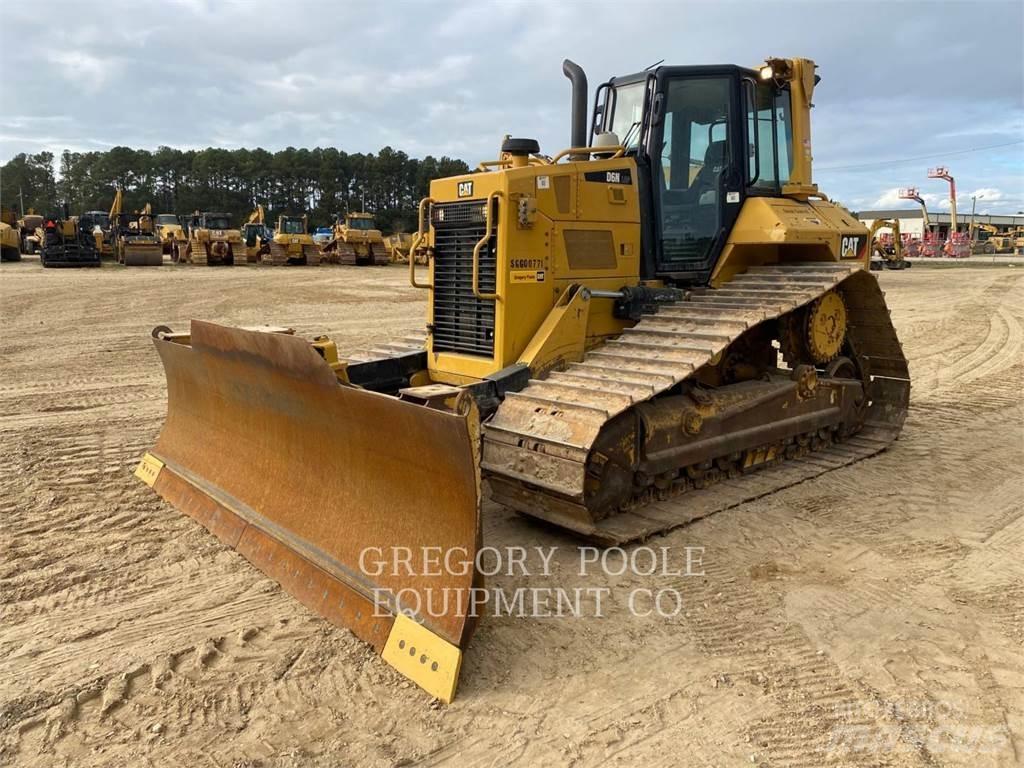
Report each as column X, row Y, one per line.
column 462, row 323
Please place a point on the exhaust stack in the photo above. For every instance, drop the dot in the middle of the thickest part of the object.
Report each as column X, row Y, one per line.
column 578, row 126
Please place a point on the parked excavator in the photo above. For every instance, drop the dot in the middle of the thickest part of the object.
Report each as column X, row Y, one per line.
column 134, row 237
column 619, row 337
column 886, row 255
column 292, row 243
column 256, row 235
column 356, row 241
column 211, row 240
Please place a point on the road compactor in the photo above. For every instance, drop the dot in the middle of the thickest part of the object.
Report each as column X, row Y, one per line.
column 664, row 320
column 134, row 237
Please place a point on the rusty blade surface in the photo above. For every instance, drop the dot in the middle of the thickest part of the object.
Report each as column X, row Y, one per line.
column 336, row 492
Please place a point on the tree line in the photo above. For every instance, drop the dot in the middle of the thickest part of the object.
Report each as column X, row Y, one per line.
column 322, row 182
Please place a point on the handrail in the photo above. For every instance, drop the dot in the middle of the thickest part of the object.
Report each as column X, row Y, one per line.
column 480, row 244
column 618, row 150
column 415, row 244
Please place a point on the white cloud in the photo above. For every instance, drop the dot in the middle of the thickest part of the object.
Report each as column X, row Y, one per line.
column 85, row 70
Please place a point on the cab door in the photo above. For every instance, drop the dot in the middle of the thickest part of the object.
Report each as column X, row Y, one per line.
column 694, row 149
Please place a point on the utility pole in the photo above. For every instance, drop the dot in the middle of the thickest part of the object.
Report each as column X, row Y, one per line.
column 911, row 193
column 974, row 203
column 21, row 202
column 943, row 173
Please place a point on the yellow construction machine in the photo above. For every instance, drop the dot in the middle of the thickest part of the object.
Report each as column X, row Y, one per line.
column 292, row 243
column 356, row 240
column 399, row 246
column 886, row 255
column 133, row 236
column 994, row 241
column 10, row 241
column 256, row 235
column 211, row 240
column 170, row 233
column 611, row 332
column 30, row 231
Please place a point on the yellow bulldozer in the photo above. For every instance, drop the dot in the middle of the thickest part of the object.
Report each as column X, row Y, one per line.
column 399, row 246
column 664, row 320
column 356, row 240
column 292, row 243
column 211, row 240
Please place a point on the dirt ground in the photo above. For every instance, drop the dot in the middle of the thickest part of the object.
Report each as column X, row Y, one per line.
column 873, row 616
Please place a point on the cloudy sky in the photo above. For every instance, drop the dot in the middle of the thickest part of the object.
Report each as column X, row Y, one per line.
column 905, row 85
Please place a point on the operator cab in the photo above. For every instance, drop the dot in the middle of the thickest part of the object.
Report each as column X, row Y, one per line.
column 704, row 138
column 292, row 225
column 218, row 221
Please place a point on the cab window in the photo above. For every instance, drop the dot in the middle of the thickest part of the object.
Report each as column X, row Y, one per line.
column 769, row 137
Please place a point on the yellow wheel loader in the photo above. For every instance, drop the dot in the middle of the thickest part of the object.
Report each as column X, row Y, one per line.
column 356, row 240
column 663, row 321
column 292, row 243
column 211, row 240
column 170, row 233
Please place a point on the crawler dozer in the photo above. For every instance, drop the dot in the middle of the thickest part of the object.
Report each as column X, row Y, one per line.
column 211, row 240
column 292, row 243
column 663, row 321
column 399, row 245
column 356, row 240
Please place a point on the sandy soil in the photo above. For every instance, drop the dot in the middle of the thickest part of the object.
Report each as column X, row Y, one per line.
column 874, row 616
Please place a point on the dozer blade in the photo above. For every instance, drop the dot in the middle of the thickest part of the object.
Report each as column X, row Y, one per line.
column 362, row 506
